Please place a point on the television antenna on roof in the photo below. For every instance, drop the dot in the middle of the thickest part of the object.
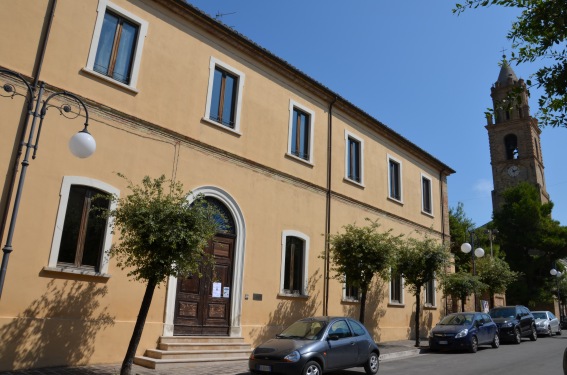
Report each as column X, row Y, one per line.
column 219, row 15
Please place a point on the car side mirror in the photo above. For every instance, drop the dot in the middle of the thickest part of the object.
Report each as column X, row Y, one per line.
column 333, row 337
column 479, row 323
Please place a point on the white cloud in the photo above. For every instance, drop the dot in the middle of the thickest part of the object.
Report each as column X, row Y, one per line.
column 483, row 186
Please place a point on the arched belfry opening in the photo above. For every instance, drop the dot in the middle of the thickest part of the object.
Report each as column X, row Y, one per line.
column 511, row 146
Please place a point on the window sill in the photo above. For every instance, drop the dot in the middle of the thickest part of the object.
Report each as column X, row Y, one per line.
column 293, row 296
column 350, row 301
column 298, row 159
column 222, row 127
column 354, row 183
column 76, row 271
column 397, row 201
column 427, row 214
column 395, row 304
column 110, row 80
column 430, row 307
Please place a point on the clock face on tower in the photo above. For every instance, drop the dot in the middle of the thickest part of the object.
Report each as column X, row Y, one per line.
column 513, row 171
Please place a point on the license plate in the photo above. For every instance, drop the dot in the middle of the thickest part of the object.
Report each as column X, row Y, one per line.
column 264, row 368
column 443, row 342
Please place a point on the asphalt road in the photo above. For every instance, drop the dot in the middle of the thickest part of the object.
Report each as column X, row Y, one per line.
column 542, row 357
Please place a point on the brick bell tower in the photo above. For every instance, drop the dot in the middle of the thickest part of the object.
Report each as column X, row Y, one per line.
column 515, row 148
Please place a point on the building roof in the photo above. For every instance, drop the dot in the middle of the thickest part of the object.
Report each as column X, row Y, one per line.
column 506, row 72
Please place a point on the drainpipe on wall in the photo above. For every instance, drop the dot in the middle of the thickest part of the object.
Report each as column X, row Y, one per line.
column 443, row 228
column 328, row 210
column 17, row 149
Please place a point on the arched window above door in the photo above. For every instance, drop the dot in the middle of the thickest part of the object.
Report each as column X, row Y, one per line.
column 225, row 219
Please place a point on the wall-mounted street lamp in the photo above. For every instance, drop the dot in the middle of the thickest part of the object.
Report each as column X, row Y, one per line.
column 557, row 275
column 82, row 144
column 477, row 253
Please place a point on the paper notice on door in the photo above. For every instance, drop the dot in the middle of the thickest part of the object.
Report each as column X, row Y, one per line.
column 226, row 292
column 216, row 290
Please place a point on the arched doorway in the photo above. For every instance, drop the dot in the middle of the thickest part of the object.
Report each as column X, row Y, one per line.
column 206, row 306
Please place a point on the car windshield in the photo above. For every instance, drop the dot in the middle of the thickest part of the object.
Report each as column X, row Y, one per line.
column 456, row 320
column 304, row 330
column 539, row 315
column 503, row 313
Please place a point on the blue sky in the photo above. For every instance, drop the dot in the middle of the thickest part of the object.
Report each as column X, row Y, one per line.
column 413, row 65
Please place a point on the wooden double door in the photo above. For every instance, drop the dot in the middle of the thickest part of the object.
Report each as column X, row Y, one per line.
column 203, row 304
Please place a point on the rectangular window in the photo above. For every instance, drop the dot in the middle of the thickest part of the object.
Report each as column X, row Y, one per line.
column 293, row 269
column 300, row 134
column 82, row 239
column 224, row 95
column 395, row 179
column 396, row 293
column 351, row 292
column 223, row 101
column 426, row 195
column 430, row 293
column 353, row 159
column 116, row 47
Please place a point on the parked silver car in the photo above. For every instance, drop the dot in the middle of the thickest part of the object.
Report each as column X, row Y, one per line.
column 546, row 323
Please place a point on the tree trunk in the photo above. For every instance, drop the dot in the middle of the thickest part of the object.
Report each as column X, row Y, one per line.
column 362, row 304
column 463, row 301
column 492, row 300
column 126, row 368
column 417, row 313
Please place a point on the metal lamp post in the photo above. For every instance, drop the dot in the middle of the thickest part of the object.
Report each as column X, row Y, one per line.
column 557, row 275
column 477, row 253
column 491, row 234
column 82, row 145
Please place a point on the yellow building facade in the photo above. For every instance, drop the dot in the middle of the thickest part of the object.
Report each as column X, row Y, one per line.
column 170, row 91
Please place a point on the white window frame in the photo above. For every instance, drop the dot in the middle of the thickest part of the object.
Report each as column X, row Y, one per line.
column 349, row 299
column 212, row 66
column 399, row 162
column 402, row 286
column 361, row 142
column 434, row 299
column 295, row 105
column 103, row 6
column 306, row 241
column 68, row 181
column 426, row 177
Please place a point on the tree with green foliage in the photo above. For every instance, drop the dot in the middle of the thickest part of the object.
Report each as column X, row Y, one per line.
column 461, row 285
column 496, row 274
column 459, row 226
column 419, row 260
column 360, row 253
column 538, row 33
column 161, row 234
column 531, row 240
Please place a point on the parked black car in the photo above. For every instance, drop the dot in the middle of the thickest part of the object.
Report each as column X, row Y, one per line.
column 315, row 345
column 514, row 323
column 465, row 330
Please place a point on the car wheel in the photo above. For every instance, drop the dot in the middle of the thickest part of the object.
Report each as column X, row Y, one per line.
column 312, row 368
column 371, row 366
column 533, row 336
column 549, row 331
column 517, row 336
column 496, row 341
column 474, row 345
column 558, row 331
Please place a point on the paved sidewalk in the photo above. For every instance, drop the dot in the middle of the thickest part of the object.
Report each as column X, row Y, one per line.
column 388, row 351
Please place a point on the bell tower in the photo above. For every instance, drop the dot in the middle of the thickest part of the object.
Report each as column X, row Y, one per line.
column 515, row 149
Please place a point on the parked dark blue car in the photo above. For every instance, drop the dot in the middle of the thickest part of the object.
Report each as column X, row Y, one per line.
column 465, row 331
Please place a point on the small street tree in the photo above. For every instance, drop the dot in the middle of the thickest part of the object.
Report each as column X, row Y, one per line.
column 461, row 285
column 360, row 253
column 496, row 274
column 419, row 260
column 162, row 234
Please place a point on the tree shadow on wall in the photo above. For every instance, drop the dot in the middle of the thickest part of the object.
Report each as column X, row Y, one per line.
column 288, row 310
column 425, row 323
column 373, row 312
column 59, row 328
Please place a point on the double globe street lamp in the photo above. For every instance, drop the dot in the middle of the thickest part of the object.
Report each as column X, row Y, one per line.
column 82, row 144
column 477, row 253
column 557, row 275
